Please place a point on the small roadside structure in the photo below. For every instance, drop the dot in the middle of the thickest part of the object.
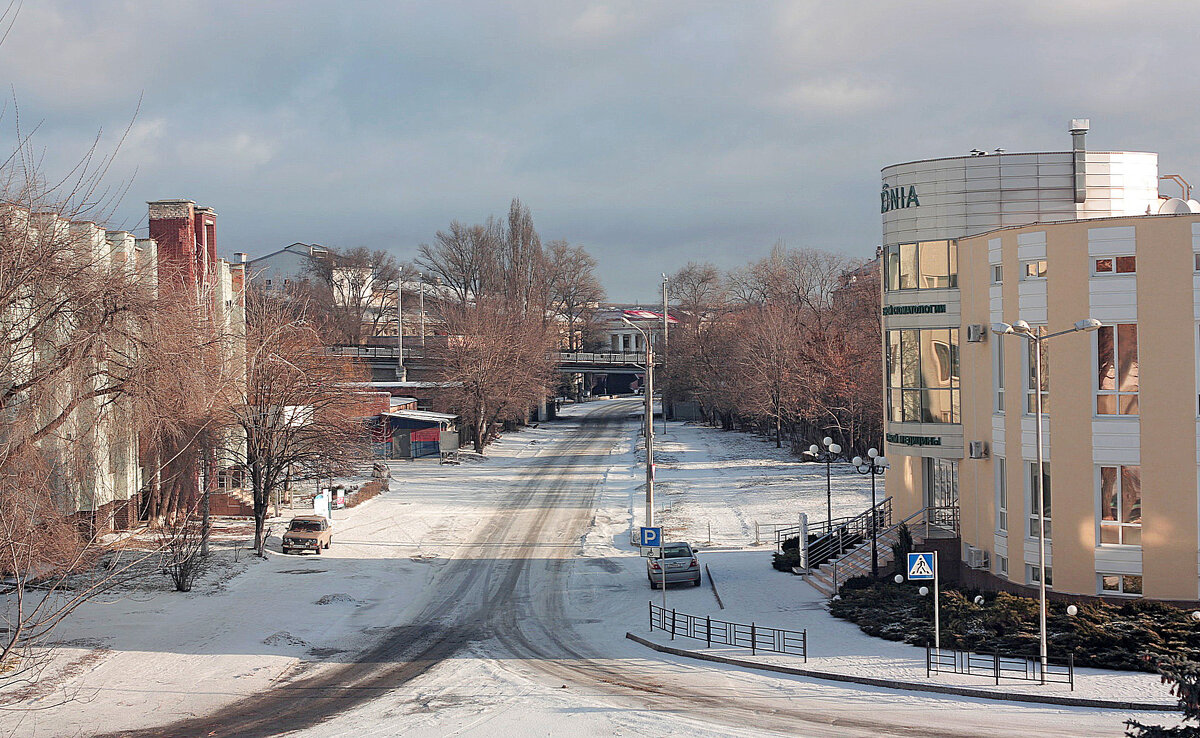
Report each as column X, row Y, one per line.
column 413, row 434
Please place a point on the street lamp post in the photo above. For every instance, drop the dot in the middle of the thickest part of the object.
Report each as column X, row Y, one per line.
column 827, row 455
column 648, row 390
column 1021, row 328
column 401, row 373
column 422, row 277
column 874, row 465
column 664, row 351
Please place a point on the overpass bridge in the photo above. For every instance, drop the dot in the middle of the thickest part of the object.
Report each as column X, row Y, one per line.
column 382, row 360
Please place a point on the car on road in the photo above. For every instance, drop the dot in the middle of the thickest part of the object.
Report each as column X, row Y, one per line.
column 307, row 533
column 680, row 562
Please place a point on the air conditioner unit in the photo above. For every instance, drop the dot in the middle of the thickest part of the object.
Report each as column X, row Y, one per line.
column 977, row 449
column 977, row 558
column 976, row 333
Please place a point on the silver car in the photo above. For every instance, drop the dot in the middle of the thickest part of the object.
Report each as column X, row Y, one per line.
column 681, row 565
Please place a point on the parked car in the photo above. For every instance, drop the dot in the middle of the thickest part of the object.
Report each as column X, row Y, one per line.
column 307, row 533
column 680, row 562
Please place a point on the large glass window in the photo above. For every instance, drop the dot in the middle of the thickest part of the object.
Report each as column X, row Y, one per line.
column 1117, row 370
column 998, row 356
column 1001, row 495
column 1031, row 375
column 922, row 375
column 1120, row 584
column 926, row 265
column 1032, row 506
column 1121, row 505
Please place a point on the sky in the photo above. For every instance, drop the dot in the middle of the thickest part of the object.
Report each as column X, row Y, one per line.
column 651, row 133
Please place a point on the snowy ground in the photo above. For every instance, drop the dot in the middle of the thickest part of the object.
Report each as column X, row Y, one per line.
column 527, row 555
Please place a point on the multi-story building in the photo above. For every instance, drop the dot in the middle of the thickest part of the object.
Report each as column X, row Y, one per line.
column 1048, row 238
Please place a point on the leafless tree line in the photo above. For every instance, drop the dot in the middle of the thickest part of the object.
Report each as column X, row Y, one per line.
column 508, row 304
column 789, row 344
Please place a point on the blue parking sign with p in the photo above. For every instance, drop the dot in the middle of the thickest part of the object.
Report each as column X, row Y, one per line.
column 651, row 537
column 920, row 566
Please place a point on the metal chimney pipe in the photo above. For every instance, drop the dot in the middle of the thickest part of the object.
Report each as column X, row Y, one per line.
column 1079, row 129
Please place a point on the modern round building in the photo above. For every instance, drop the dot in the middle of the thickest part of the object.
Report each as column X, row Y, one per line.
column 1047, row 238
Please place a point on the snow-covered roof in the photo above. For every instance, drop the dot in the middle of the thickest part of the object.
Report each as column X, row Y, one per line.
column 426, row 415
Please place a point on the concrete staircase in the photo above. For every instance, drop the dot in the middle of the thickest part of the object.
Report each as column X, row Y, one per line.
column 829, row 577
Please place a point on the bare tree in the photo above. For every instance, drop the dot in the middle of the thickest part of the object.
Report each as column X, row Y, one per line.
column 497, row 364
column 299, row 414
column 355, row 292
column 575, row 291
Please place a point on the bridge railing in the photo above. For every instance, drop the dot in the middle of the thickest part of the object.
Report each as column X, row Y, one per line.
column 599, row 358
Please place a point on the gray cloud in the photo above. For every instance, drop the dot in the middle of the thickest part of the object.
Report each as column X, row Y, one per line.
column 652, row 133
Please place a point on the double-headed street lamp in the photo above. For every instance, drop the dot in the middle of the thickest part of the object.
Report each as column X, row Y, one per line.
column 827, row 455
column 649, row 431
column 874, row 465
column 1021, row 328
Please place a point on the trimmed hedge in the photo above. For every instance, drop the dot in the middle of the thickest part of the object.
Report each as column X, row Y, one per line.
column 1127, row 636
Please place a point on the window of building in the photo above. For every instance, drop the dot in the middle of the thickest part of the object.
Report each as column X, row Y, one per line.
column 1114, row 265
column 921, row 266
column 1001, row 495
column 1033, row 574
column 997, row 274
column 1197, row 257
column 1002, row 564
column 1033, row 269
column 998, row 361
column 1121, row 505
column 1032, row 500
column 1117, row 370
column 923, row 375
column 1127, row 584
column 1031, row 375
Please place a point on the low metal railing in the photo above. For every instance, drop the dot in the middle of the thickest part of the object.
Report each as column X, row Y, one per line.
column 844, row 537
column 996, row 666
column 726, row 633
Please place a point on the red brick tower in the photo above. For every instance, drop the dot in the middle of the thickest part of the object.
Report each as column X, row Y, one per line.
column 187, row 242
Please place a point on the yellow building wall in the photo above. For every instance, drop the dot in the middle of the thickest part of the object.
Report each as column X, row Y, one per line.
column 1072, row 481
column 1166, row 396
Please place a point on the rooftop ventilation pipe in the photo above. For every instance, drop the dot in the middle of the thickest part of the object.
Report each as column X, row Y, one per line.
column 1079, row 129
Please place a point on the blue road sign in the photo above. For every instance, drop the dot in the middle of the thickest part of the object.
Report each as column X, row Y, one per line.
column 920, row 566
column 652, row 537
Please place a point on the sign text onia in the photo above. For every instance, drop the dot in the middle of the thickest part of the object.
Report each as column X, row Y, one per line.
column 894, row 198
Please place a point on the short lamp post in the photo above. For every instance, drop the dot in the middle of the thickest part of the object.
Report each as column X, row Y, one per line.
column 827, row 455
column 1022, row 329
column 874, row 465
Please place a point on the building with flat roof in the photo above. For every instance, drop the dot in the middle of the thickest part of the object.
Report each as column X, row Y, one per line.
column 1047, row 238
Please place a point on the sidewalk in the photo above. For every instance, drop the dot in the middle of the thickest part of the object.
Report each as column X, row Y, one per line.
column 754, row 592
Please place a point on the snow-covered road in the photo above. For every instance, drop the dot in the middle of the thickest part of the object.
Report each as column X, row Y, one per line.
column 486, row 599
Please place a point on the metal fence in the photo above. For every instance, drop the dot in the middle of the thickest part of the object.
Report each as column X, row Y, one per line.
column 952, row 661
column 725, row 633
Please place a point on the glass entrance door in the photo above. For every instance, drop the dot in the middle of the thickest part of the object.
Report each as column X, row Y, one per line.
column 941, row 492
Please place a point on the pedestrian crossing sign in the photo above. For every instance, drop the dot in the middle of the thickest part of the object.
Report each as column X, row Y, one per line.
column 920, row 566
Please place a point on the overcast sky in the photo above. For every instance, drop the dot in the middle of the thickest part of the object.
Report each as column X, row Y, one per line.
column 652, row 133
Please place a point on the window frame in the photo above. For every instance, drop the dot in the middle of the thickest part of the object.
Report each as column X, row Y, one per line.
column 1122, row 583
column 908, row 397
column 1119, row 477
column 1031, row 500
column 1001, row 482
column 897, row 277
column 1122, row 400
column 1044, row 270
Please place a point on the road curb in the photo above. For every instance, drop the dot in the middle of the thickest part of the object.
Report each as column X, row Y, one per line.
column 910, row 686
column 713, row 583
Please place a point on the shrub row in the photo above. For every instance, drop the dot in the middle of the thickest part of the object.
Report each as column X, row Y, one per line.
column 1127, row 636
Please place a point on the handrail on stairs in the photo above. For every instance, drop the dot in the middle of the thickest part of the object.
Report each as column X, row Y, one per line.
column 936, row 516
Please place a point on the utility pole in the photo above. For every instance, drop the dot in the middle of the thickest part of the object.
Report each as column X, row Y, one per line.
column 649, row 423
column 422, row 311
